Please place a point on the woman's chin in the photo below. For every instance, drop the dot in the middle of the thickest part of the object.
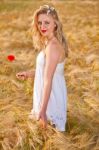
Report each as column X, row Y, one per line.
column 44, row 34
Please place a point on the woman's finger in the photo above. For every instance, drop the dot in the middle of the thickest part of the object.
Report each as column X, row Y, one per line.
column 40, row 123
column 21, row 76
column 18, row 75
column 43, row 123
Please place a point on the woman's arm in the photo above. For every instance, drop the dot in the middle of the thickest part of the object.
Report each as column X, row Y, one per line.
column 25, row 74
column 30, row 74
column 52, row 58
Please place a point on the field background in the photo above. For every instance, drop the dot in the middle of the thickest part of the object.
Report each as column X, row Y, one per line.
column 80, row 24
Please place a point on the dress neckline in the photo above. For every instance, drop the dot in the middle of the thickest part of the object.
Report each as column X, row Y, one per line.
column 63, row 62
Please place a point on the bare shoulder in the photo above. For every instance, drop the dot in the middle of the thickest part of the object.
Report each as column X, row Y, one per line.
column 55, row 49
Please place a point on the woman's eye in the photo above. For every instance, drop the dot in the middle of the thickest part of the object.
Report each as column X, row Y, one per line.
column 39, row 23
column 46, row 22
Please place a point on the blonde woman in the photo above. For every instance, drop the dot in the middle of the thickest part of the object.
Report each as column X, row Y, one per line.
column 50, row 91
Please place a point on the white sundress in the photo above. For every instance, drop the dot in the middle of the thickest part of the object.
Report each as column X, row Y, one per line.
column 57, row 105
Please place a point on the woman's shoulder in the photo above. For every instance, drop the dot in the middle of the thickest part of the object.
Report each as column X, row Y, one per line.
column 55, row 49
column 52, row 49
column 53, row 45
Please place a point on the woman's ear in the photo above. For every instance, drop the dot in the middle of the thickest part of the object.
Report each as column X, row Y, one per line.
column 55, row 26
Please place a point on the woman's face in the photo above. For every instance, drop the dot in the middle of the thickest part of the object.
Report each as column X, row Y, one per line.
column 46, row 25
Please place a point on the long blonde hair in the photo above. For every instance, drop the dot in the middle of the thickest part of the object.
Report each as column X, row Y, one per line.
column 38, row 39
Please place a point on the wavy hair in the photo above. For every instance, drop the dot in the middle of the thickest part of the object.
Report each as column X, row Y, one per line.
column 38, row 39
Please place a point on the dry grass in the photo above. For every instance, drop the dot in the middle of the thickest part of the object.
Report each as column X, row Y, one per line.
column 80, row 22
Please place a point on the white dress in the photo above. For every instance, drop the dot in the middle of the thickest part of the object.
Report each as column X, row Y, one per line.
column 57, row 105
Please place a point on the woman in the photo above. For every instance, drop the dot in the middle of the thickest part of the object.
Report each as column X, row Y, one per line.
column 50, row 92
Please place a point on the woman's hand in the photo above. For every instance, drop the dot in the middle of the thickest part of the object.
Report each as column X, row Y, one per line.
column 25, row 74
column 42, row 118
column 22, row 75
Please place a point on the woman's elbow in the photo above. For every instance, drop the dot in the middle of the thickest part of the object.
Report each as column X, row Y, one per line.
column 48, row 80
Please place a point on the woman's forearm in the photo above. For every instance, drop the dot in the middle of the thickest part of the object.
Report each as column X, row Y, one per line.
column 46, row 95
column 31, row 73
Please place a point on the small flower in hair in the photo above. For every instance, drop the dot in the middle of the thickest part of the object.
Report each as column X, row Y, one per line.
column 48, row 11
column 48, row 7
column 44, row 6
column 52, row 8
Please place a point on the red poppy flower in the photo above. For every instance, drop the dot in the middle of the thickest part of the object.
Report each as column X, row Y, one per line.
column 11, row 57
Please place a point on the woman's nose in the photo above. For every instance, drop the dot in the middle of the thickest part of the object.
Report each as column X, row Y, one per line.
column 43, row 26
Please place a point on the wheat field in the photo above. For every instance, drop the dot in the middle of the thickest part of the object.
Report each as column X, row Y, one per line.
column 80, row 20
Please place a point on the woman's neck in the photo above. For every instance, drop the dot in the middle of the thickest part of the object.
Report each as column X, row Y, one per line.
column 49, row 40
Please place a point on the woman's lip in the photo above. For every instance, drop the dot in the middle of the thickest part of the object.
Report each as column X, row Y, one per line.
column 43, row 30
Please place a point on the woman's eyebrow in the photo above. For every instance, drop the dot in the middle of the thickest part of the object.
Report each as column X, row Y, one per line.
column 43, row 20
column 38, row 21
